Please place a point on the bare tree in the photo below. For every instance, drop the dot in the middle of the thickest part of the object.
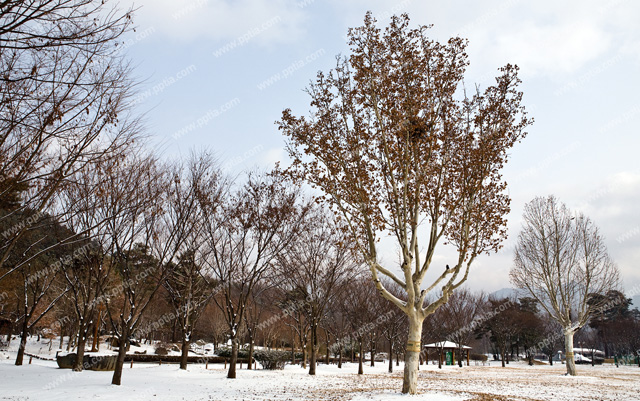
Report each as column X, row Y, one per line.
column 148, row 233
column 435, row 331
column 134, row 195
column 461, row 310
column 188, row 286
column 41, row 275
column 189, row 292
column 259, row 304
column 85, row 280
column 552, row 342
column 245, row 235
column 84, row 203
column 315, row 267
column 337, row 324
column 64, row 93
column 561, row 260
column 292, row 304
column 358, row 297
column 501, row 326
column 396, row 150
column 394, row 328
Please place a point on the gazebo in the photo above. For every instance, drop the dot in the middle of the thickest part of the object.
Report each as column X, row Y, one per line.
column 445, row 346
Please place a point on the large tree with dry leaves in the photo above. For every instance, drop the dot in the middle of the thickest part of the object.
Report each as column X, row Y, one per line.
column 399, row 148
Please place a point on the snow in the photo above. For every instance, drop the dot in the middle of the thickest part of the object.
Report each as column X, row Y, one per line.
column 42, row 380
column 445, row 344
column 41, row 348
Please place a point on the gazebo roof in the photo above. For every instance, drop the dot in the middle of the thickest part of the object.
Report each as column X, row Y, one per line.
column 446, row 344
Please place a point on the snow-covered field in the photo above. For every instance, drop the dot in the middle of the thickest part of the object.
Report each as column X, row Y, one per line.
column 42, row 380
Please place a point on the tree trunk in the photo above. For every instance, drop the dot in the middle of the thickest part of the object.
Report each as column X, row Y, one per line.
column 550, row 359
column 503, row 356
column 373, row 353
column 411, row 356
column 23, row 341
column 460, row 355
column 184, row 356
column 304, row 356
column 314, row 349
column 340, row 357
column 250, row 352
column 61, row 337
column 122, row 352
column 568, row 348
column 234, row 358
column 312, row 361
column 328, row 354
column 82, row 340
column 360, row 356
column 352, row 353
column 174, row 331
column 11, row 326
column 390, row 357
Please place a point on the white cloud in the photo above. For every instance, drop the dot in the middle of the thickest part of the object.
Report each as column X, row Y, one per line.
column 562, row 48
column 547, row 38
column 223, row 20
column 274, row 155
column 613, row 205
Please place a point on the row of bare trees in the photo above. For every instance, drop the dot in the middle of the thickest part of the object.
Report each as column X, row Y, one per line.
column 64, row 90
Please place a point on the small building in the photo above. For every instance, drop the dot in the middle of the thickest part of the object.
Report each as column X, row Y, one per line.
column 582, row 356
column 447, row 351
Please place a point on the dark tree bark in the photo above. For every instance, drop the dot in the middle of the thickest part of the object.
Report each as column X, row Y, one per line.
column 234, row 358
column 251, row 347
column 122, row 352
column 184, row 356
column 81, row 342
column 360, row 357
column 390, row 357
column 23, row 342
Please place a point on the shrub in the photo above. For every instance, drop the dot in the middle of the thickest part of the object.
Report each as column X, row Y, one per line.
column 273, row 359
column 478, row 357
column 225, row 352
column 162, row 349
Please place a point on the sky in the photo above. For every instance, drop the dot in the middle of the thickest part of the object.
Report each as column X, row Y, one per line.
column 217, row 74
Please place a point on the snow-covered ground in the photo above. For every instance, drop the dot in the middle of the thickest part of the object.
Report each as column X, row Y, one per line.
column 42, row 380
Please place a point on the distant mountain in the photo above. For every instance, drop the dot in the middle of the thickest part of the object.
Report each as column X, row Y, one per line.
column 506, row 293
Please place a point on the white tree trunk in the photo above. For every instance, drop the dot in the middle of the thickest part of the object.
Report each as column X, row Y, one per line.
column 568, row 348
column 411, row 356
